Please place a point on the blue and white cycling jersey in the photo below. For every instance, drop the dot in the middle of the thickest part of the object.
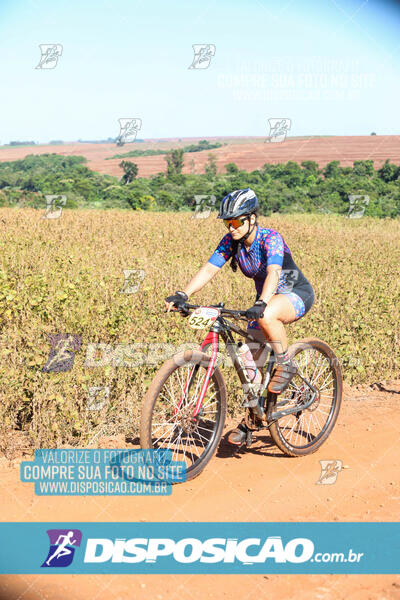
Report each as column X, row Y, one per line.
column 268, row 248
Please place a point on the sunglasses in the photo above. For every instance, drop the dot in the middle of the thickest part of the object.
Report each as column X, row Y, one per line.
column 235, row 222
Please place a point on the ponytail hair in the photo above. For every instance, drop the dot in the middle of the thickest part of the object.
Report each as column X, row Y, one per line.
column 235, row 248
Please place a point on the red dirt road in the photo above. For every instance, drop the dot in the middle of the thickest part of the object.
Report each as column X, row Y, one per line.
column 259, row 484
column 247, row 155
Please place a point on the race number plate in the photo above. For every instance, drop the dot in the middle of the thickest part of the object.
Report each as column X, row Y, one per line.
column 203, row 317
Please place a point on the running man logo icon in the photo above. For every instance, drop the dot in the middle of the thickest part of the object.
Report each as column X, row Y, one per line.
column 200, row 203
column 357, row 205
column 203, row 54
column 128, row 129
column 290, row 276
column 54, row 202
column 62, row 353
column 278, row 129
column 62, row 547
column 133, row 279
column 329, row 471
column 50, row 54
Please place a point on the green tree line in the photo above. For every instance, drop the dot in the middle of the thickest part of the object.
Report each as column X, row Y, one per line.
column 285, row 188
column 199, row 147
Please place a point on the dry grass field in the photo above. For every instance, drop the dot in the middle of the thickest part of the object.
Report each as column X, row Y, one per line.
column 66, row 275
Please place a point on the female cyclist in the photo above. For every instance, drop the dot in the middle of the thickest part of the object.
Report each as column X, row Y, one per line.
column 283, row 295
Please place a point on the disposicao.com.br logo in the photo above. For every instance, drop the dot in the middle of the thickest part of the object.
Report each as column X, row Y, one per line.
column 233, row 553
column 191, row 550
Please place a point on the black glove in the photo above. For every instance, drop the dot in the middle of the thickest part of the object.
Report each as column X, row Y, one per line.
column 179, row 299
column 256, row 311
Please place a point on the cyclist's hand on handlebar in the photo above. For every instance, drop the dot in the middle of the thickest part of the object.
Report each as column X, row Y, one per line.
column 175, row 302
column 256, row 311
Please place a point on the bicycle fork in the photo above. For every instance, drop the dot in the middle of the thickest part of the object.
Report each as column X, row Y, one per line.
column 211, row 338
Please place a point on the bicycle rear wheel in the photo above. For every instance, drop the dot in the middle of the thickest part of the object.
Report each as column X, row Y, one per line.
column 307, row 429
column 169, row 425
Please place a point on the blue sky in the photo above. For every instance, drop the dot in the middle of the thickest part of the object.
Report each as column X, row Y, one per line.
column 331, row 66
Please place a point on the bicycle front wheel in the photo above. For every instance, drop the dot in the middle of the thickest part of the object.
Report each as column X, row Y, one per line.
column 303, row 431
column 167, row 420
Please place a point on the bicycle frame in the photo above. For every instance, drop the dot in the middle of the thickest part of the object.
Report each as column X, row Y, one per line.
column 222, row 327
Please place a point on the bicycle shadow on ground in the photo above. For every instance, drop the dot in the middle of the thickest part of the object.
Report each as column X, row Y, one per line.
column 118, row 442
column 263, row 445
column 383, row 388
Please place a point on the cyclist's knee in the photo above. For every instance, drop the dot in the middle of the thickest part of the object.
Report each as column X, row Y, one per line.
column 269, row 317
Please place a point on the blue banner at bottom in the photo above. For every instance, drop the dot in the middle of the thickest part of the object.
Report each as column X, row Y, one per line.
column 234, row 548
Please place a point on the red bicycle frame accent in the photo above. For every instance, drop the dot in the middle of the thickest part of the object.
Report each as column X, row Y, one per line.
column 211, row 337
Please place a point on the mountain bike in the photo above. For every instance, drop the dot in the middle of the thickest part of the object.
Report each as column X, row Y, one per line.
column 184, row 408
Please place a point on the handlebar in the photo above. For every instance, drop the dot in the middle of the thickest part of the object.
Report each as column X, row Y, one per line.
column 236, row 314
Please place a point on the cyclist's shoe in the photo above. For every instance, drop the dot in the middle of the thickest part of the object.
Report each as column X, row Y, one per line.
column 237, row 436
column 283, row 375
